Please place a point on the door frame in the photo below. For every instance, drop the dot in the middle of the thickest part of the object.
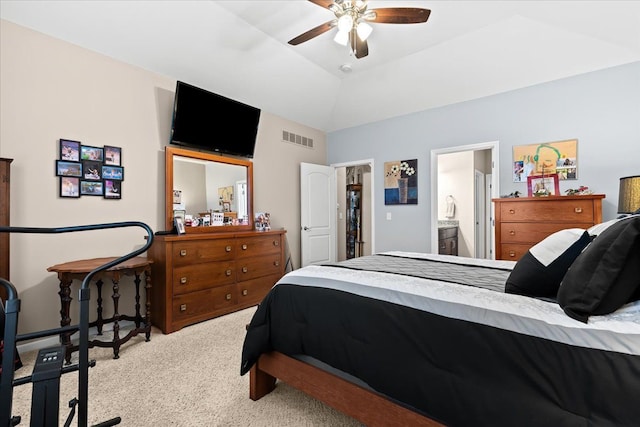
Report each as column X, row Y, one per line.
column 495, row 180
column 371, row 163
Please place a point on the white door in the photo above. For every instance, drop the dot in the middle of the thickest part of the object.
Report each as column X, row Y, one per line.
column 317, row 213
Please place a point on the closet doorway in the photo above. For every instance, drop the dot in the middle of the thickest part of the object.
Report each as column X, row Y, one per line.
column 355, row 234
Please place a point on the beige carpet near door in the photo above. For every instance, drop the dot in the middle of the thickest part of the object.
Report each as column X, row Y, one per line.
column 188, row 378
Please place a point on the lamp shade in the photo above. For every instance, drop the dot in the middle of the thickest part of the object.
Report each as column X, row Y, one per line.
column 629, row 195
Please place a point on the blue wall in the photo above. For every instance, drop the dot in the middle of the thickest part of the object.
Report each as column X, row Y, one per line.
column 601, row 109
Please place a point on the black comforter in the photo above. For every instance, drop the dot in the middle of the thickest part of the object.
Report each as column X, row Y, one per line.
column 458, row 372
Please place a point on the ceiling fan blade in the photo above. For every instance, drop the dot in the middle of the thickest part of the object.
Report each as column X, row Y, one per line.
column 400, row 15
column 359, row 47
column 314, row 32
column 322, row 3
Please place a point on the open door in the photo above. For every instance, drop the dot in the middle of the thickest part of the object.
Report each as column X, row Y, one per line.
column 317, row 214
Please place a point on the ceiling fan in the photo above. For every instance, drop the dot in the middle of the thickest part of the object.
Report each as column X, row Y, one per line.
column 351, row 20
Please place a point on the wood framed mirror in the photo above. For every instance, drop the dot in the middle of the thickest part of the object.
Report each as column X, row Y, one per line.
column 199, row 184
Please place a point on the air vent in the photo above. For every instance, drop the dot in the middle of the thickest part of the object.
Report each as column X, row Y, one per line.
column 297, row 139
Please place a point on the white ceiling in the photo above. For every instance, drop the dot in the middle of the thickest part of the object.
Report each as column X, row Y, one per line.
column 466, row 50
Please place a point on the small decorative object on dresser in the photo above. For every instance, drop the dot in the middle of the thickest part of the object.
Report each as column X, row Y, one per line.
column 543, row 185
column 522, row 222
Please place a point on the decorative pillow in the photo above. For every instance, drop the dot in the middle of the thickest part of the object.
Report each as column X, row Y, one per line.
column 599, row 228
column 539, row 272
column 607, row 273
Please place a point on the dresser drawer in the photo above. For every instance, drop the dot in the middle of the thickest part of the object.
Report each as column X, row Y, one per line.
column 202, row 276
column 187, row 253
column 250, row 268
column 202, row 303
column 260, row 245
column 513, row 251
column 251, row 292
column 548, row 210
column 525, row 232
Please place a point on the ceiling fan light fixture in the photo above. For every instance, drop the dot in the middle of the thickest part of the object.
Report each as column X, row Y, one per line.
column 345, row 23
column 335, row 8
column 364, row 30
column 342, row 37
column 369, row 15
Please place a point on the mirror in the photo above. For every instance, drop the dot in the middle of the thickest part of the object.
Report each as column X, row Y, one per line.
column 211, row 191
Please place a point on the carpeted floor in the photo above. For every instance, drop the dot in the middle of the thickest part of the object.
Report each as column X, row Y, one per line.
column 188, row 378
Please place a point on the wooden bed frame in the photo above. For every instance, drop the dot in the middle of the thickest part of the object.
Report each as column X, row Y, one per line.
column 364, row 405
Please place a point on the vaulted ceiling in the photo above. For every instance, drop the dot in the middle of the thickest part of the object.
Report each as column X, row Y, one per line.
column 466, row 50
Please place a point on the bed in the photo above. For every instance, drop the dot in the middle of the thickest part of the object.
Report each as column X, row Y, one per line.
column 402, row 338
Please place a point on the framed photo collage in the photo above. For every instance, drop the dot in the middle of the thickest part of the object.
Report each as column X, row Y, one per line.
column 86, row 170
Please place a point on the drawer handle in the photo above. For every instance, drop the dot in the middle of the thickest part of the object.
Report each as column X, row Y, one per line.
column 512, row 211
column 183, row 280
column 512, row 233
column 245, row 269
column 443, row 246
column 244, row 247
column 276, row 263
column 228, row 272
column 183, row 252
column 183, row 307
column 276, row 243
column 227, row 249
column 227, row 297
column 245, row 292
column 578, row 210
column 512, row 254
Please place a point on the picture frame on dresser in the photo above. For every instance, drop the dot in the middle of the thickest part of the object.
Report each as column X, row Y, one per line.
column 179, row 225
column 543, row 185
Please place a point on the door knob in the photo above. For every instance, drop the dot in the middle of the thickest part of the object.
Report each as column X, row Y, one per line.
column 305, row 228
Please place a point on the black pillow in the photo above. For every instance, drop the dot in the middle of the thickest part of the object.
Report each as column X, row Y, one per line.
column 606, row 275
column 539, row 272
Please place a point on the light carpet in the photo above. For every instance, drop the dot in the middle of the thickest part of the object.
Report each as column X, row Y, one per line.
column 187, row 378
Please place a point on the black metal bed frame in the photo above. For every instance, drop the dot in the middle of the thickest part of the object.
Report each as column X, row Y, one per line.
column 11, row 337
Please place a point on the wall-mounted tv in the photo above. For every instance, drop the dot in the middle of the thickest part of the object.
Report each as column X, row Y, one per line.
column 208, row 121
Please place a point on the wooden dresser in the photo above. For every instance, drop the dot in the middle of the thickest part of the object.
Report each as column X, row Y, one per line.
column 200, row 276
column 523, row 222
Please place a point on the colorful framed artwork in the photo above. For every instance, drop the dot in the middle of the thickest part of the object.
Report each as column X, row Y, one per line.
column 91, row 188
column 91, row 170
column 69, row 187
column 113, row 172
column 560, row 157
column 112, row 189
column 112, row 155
column 91, row 153
column 401, row 182
column 70, row 150
column 543, row 185
column 64, row 168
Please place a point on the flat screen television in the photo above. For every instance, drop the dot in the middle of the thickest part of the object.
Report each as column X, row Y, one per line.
column 208, row 121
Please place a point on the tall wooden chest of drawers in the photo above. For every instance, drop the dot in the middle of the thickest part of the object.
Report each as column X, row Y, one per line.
column 522, row 222
column 201, row 276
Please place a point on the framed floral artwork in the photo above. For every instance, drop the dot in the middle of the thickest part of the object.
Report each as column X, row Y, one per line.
column 401, row 182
